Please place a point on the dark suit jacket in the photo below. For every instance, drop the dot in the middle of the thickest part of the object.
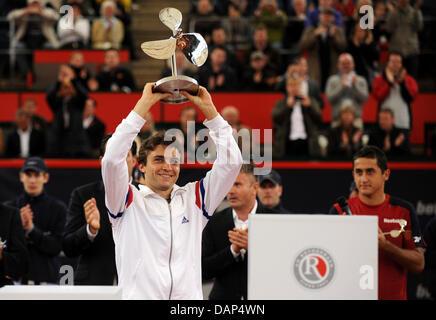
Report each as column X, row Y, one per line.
column 217, row 260
column 36, row 143
column 95, row 132
column 96, row 263
column 14, row 263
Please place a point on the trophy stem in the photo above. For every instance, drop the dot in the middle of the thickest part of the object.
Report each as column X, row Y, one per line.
column 173, row 65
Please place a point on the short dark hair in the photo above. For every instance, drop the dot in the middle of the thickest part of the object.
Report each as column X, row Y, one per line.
column 387, row 110
column 373, row 152
column 248, row 169
column 104, row 141
column 157, row 139
column 395, row 53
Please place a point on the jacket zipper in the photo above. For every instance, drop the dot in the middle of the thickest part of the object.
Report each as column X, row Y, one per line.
column 171, row 251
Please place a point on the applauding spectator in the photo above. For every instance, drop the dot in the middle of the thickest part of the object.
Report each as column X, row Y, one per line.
column 76, row 37
column 395, row 89
column 108, row 30
column 66, row 99
column 387, row 137
column 324, row 44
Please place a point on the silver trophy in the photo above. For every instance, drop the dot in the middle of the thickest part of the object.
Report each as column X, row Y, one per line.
column 193, row 46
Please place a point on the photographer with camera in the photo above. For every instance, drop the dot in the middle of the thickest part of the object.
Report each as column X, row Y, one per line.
column 295, row 120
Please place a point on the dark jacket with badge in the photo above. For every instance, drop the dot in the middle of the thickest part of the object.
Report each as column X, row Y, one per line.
column 96, row 263
column 217, row 260
column 44, row 241
column 14, row 261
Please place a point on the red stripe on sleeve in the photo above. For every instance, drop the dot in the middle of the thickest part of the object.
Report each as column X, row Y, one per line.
column 130, row 199
column 197, row 195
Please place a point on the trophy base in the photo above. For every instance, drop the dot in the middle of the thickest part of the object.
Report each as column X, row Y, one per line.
column 173, row 85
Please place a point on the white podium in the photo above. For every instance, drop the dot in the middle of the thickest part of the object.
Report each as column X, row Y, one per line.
column 312, row 257
column 60, row 293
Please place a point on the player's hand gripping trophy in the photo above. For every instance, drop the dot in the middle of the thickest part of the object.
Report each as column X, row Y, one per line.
column 192, row 45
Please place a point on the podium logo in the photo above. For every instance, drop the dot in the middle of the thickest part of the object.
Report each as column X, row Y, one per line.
column 314, row 268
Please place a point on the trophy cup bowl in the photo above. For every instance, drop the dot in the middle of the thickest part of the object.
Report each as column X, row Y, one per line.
column 193, row 46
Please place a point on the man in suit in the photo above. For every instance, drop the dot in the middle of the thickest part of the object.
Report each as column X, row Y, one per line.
column 225, row 239
column 13, row 251
column 24, row 140
column 88, row 234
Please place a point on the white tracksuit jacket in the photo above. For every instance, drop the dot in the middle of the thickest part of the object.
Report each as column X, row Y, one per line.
column 158, row 244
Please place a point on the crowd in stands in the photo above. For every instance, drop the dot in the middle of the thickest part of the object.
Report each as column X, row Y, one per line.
column 328, row 51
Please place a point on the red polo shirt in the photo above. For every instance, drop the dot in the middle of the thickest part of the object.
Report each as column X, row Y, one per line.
column 392, row 278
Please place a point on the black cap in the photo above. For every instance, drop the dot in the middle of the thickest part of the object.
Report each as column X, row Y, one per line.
column 273, row 176
column 35, row 164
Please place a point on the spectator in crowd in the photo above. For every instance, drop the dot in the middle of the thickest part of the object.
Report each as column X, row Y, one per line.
column 94, row 127
column 360, row 11
column 345, row 138
column 231, row 115
column 313, row 16
column 76, row 37
column 123, row 13
column 430, row 255
column 113, row 77
column 346, row 87
column 225, row 239
column 381, row 34
column 295, row 121
column 270, row 191
column 261, row 43
column 107, row 31
column 188, row 126
column 324, row 43
column 30, row 106
column 147, row 130
column 13, row 251
column 298, row 68
column 387, row 137
column 88, row 7
column 240, row 131
column 395, row 89
column 364, row 51
column 397, row 255
column 217, row 75
column 205, row 19
column 88, row 233
column 24, row 140
column 35, row 30
column 237, row 28
column 295, row 26
column 219, row 38
column 245, row 7
column 66, row 99
column 274, row 19
column 43, row 221
column 404, row 23
column 184, row 67
column 82, row 73
column 345, row 7
column 260, row 76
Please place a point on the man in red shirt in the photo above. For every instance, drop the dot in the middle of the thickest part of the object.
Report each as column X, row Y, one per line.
column 397, row 253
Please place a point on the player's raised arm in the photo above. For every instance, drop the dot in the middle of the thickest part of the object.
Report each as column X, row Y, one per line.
column 215, row 185
column 114, row 168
